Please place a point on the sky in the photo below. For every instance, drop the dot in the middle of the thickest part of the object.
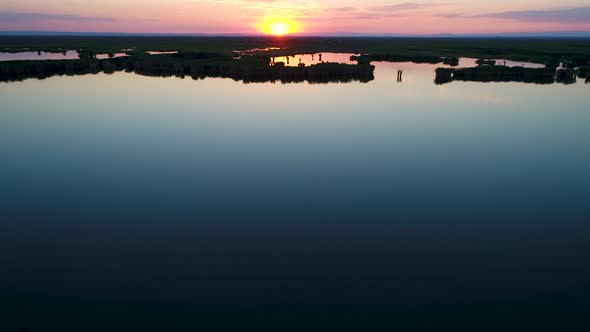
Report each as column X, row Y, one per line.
column 302, row 16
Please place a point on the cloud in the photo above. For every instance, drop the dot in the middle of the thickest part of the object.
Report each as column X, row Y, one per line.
column 17, row 17
column 314, row 11
column 404, row 9
column 573, row 15
column 564, row 15
column 298, row 8
column 407, row 6
column 341, row 9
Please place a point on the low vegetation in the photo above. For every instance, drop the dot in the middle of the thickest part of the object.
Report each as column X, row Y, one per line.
column 200, row 57
column 487, row 73
column 255, row 68
column 551, row 52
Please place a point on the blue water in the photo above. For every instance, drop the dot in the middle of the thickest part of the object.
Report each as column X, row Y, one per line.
column 136, row 203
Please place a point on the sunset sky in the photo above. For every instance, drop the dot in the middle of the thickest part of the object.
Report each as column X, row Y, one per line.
column 304, row 16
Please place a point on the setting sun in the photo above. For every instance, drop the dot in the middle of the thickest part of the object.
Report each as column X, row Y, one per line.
column 278, row 26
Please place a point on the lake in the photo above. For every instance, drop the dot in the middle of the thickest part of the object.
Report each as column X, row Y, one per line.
column 164, row 204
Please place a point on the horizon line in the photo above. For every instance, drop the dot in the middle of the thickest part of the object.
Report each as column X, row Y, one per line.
column 569, row 33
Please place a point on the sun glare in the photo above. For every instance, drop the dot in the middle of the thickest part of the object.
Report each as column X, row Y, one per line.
column 278, row 26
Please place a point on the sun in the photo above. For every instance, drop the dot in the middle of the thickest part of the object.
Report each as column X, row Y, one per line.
column 278, row 26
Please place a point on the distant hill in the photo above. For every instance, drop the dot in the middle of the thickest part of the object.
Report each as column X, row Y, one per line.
column 548, row 34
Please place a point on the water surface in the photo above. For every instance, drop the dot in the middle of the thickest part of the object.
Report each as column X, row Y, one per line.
column 143, row 203
column 161, row 52
column 4, row 56
column 111, row 55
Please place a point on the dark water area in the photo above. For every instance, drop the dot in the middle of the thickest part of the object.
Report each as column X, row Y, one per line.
column 221, row 275
column 137, row 203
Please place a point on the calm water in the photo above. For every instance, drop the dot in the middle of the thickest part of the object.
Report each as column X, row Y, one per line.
column 161, row 52
column 113, row 55
column 38, row 56
column 137, row 203
column 68, row 55
column 312, row 59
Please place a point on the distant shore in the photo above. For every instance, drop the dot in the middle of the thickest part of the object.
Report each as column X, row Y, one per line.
column 549, row 51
